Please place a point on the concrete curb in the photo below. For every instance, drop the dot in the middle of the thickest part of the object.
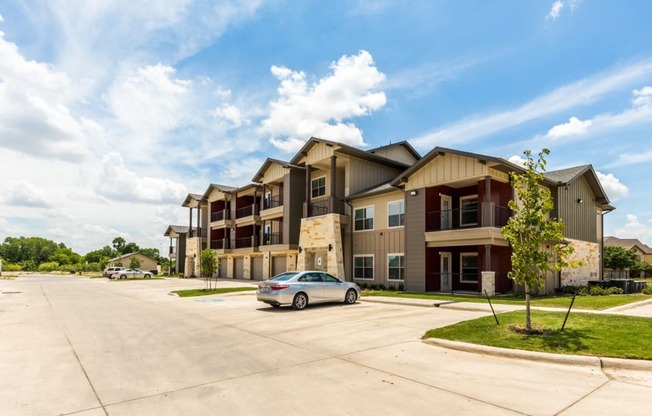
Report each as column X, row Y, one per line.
column 628, row 306
column 425, row 303
column 581, row 360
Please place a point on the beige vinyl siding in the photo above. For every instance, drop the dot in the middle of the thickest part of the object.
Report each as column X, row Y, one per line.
column 451, row 168
column 397, row 153
column 382, row 240
column 318, row 152
column 274, row 173
column 578, row 217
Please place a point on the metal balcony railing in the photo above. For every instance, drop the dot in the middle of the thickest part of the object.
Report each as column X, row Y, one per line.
column 246, row 242
column 197, row 233
column 224, row 214
column 273, row 202
column 220, row 244
column 247, row 211
column 487, row 214
column 272, row 238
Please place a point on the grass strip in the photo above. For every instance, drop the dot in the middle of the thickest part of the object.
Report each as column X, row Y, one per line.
column 585, row 334
column 206, row 292
column 581, row 302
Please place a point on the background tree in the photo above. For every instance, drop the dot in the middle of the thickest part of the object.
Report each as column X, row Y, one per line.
column 151, row 252
column 119, row 244
column 134, row 262
column 530, row 229
column 130, row 248
column 619, row 258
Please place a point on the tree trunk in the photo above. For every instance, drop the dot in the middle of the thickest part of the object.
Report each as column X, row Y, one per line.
column 528, row 322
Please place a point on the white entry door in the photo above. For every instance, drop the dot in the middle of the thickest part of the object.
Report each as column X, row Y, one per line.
column 445, row 272
column 446, row 212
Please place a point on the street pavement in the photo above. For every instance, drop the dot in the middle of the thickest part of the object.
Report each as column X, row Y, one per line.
column 93, row 347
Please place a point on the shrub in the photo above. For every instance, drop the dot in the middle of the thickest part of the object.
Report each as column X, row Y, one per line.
column 69, row 268
column 401, row 288
column 10, row 267
column 647, row 290
column 381, row 286
column 392, row 288
column 154, row 272
column 48, row 266
column 93, row 267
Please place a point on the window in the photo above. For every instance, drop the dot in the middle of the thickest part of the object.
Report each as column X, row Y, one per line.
column 395, row 266
column 318, row 187
column 364, row 219
column 469, row 266
column 469, row 210
column 363, row 267
column 396, row 212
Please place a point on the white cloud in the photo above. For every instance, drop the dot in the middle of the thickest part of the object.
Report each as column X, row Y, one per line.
column 574, row 127
column 569, row 96
column 612, row 186
column 230, row 115
column 320, row 109
column 517, row 160
column 116, row 181
column 635, row 229
column 643, row 97
column 24, row 194
column 555, row 10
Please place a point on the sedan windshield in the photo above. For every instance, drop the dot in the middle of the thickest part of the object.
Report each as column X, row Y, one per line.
column 284, row 276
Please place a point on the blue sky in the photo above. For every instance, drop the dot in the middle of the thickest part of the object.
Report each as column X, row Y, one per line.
column 111, row 112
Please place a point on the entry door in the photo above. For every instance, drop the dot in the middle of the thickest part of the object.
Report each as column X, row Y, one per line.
column 446, row 212
column 445, row 272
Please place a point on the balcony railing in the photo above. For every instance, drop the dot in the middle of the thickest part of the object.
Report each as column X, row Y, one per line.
column 224, row 214
column 173, row 249
column 247, row 211
column 486, row 214
column 220, row 244
column 272, row 238
column 325, row 206
column 273, row 202
column 193, row 232
column 246, row 242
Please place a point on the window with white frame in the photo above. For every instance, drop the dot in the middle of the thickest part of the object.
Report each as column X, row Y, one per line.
column 395, row 266
column 396, row 214
column 469, row 210
column 364, row 219
column 363, row 267
column 469, row 268
column 318, row 186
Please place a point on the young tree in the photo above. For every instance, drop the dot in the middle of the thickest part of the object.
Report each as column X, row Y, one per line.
column 134, row 262
column 208, row 264
column 530, row 230
column 619, row 258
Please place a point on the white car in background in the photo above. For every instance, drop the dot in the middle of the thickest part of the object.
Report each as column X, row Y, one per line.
column 130, row 273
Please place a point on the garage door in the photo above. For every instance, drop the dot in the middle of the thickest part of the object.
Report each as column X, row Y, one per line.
column 279, row 265
column 256, row 268
column 223, row 263
column 238, row 266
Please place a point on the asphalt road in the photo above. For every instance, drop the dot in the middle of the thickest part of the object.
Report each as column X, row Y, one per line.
column 71, row 345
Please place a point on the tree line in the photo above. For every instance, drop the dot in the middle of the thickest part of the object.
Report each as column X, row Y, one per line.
column 41, row 254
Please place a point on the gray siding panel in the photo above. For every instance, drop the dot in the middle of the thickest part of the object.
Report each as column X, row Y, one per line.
column 580, row 218
column 363, row 175
column 294, row 195
column 415, row 241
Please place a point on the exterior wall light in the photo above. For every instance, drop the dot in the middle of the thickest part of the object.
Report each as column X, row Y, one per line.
column 413, row 193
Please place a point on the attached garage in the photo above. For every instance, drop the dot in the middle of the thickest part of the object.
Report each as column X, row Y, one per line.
column 223, row 262
column 279, row 265
column 256, row 268
column 238, row 268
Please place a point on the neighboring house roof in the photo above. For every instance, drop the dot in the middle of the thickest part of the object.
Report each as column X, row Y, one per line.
column 374, row 190
column 269, row 162
column 627, row 243
column 222, row 188
column 565, row 176
column 190, row 198
column 403, row 144
column 501, row 164
column 124, row 256
column 179, row 229
column 347, row 150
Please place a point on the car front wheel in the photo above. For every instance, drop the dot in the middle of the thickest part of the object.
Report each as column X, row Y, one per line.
column 300, row 301
column 350, row 297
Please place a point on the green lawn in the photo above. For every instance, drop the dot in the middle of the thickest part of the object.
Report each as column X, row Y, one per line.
column 204, row 292
column 584, row 334
column 581, row 302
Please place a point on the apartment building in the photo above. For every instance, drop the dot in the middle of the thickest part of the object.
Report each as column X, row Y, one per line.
column 388, row 216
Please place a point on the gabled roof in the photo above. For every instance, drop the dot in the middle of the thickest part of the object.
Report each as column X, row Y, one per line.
column 124, row 256
column 347, row 150
column 374, row 190
column 502, row 164
column 563, row 177
column 403, row 143
column 627, row 243
column 269, row 162
column 179, row 229
column 190, row 198
column 222, row 188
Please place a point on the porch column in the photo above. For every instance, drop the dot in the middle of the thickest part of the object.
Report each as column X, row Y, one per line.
column 487, row 258
column 190, row 221
column 199, row 221
column 306, row 205
column 331, row 208
column 487, row 209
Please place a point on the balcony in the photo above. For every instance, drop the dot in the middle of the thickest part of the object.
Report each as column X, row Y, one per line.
column 273, row 202
column 197, row 233
column 272, row 239
column 222, row 215
column 220, row 244
column 247, row 211
column 325, row 206
column 246, row 242
column 486, row 214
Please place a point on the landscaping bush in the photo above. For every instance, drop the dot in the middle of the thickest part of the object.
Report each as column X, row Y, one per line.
column 154, row 272
column 94, row 267
column 647, row 290
column 70, row 268
column 48, row 266
column 10, row 267
column 401, row 288
column 392, row 288
column 598, row 291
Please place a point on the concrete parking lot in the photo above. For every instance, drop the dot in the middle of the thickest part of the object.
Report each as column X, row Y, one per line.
column 91, row 347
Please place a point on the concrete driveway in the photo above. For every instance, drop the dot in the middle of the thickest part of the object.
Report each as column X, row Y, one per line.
column 96, row 347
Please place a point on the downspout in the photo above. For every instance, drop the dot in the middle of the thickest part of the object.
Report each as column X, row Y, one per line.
column 604, row 212
column 350, row 237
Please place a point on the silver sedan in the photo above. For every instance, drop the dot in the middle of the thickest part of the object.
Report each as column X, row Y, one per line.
column 130, row 273
column 301, row 288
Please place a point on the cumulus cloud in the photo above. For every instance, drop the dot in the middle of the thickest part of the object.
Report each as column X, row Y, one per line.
column 230, row 115
column 612, row 186
column 574, row 127
column 37, row 116
column 25, row 194
column 555, row 10
column 319, row 109
column 116, row 181
column 517, row 160
column 634, row 228
column 642, row 97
